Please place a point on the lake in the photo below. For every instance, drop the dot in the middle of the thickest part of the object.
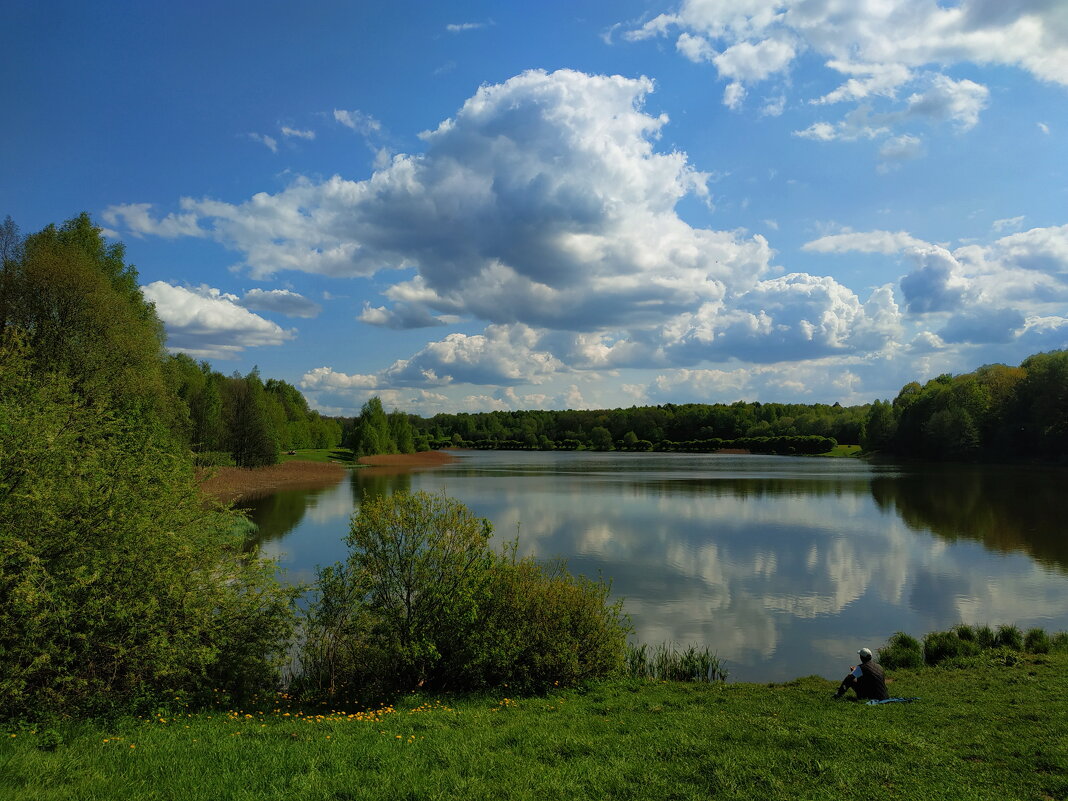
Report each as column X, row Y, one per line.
column 785, row 566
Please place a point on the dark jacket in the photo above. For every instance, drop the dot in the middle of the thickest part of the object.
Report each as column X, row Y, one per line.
column 872, row 682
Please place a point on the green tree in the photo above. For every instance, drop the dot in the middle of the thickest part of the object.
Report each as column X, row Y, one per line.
column 253, row 441
column 400, row 432
column 879, row 428
column 370, row 433
column 601, row 438
column 82, row 313
column 418, row 557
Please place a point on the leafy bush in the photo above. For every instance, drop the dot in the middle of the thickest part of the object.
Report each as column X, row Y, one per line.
column 1009, row 637
column 116, row 583
column 423, row 601
column 537, row 626
column 1036, row 641
column 901, row 651
column 1058, row 643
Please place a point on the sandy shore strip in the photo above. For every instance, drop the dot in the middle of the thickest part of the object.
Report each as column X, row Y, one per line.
column 228, row 484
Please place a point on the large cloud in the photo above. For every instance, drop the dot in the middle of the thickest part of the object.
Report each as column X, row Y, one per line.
column 543, row 208
column 207, row 323
column 541, row 202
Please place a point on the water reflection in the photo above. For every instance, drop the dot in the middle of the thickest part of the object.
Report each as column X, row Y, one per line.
column 784, row 565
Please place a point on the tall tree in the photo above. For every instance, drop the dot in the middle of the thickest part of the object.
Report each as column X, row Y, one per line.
column 253, row 441
column 82, row 313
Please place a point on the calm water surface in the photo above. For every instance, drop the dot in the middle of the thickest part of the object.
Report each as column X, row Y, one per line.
column 784, row 565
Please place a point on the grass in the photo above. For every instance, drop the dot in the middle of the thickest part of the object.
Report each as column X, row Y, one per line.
column 843, row 452
column 981, row 730
column 342, row 456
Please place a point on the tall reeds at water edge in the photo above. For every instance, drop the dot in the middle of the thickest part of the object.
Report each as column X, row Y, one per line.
column 667, row 662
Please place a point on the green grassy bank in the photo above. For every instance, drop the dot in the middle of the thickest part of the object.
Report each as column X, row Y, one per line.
column 984, row 730
column 342, row 456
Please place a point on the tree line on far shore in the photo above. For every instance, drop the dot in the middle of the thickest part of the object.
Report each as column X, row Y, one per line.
column 993, row 413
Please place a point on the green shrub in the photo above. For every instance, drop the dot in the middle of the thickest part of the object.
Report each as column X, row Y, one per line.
column 1058, row 643
column 116, row 583
column 901, row 651
column 1009, row 637
column 1036, row 641
column 423, row 601
column 537, row 626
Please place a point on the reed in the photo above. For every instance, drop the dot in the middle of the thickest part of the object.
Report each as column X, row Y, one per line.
column 667, row 662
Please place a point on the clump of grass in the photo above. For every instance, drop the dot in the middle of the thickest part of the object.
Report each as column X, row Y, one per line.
column 667, row 662
column 1010, row 637
column 1036, row 641
column 963, row 642
column 901, row 651
column 938, row 646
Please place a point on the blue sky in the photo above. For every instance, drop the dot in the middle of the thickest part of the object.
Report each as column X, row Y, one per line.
column 474, row 206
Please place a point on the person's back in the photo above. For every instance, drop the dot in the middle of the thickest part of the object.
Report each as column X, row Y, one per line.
column 867, row 679
column 872, row 681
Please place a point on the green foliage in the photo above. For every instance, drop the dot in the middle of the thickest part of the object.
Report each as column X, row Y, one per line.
column 1036, row 641
column 537, row 626
column 879, row 427
column 213, row 459
column 81, row 313
column 370, row 432
column 901, row 651
column 1009, row 637
column 407, row 589
column 939, row 646
column 666, row 662
column 422, row 600
column 116, row 583
column 963, row 643
column 253, row 440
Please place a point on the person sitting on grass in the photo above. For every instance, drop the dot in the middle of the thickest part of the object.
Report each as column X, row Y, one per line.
column 867, row 679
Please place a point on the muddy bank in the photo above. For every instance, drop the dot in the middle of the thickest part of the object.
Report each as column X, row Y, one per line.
column 392, row 464
column 227, row 484
column 423, row 459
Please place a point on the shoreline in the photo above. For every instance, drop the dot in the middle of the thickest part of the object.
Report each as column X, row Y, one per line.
column 232, row 484
column 421, row 459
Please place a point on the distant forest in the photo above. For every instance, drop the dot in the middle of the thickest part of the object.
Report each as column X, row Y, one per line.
column 994, row 413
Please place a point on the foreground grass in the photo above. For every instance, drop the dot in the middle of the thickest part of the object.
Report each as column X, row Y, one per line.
column 342, row 456
column 987, row 731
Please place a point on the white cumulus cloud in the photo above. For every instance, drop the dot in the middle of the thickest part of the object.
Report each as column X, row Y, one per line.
column 207, row 323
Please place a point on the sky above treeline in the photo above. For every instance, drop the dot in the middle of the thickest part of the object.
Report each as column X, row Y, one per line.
column 469, row 206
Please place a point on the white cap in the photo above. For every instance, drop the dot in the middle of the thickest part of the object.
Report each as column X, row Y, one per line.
column 864, row 653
